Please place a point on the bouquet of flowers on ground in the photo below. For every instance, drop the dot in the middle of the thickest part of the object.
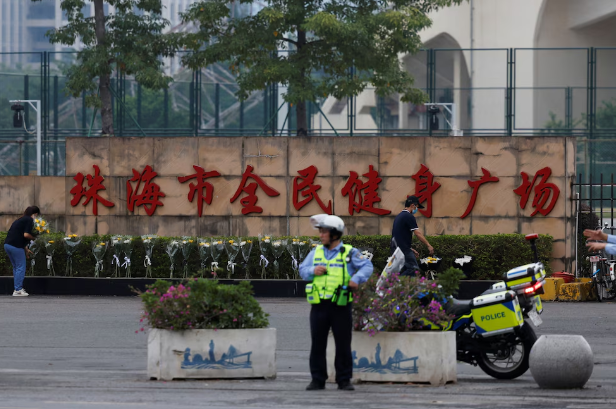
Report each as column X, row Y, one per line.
column 99, row 249
column 298, row 250
column 187, row 244
column 246, row 248
column 265, row 245
column 128, row 250
column 172, row 249
column 149, row 242
column 204, row 253
column 233, row 249
column 70, row 244
column 117, row 242
column 41, row 226
column 49, row 251
column 314, row 244
column 278, row 247
column 35, row 248
column 217, row 247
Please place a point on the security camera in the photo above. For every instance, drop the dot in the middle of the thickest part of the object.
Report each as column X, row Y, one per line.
column 18, row 117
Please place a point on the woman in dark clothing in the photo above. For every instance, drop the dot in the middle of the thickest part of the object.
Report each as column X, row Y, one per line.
column 16, row 244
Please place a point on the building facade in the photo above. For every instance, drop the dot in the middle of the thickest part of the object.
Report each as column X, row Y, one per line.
column 550, row 83
column 24, row 25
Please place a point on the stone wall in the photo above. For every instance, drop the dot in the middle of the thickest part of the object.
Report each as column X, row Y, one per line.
column 453, row 161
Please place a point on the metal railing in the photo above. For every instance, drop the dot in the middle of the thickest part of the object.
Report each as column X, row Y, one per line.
column 513, row 92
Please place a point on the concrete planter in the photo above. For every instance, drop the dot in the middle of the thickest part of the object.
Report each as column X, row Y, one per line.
column 203, row 354
column 419, row 357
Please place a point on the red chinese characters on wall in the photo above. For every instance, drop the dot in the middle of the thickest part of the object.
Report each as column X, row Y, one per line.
column 304, row 185
column 249, row 202
column 150, row 194
column 546, row 194
column 363, row 195
column 362, row 192
column 95, row 184
column 197, row 188
column 475, row 184
column 425, row 186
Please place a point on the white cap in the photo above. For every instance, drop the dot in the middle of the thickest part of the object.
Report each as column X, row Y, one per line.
column 327, row 221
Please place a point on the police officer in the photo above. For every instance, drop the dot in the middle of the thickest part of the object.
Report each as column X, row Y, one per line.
column 334, row 269
column 402, row 235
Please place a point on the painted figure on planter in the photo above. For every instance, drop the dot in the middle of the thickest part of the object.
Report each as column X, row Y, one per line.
column 335, row 269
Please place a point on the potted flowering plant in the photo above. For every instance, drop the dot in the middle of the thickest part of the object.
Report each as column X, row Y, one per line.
column 399, row 332
column 202, row 329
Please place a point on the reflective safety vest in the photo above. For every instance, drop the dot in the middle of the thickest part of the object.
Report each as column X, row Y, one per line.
column 337, row 275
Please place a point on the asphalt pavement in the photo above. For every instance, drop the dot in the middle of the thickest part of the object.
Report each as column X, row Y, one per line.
column 83, row 352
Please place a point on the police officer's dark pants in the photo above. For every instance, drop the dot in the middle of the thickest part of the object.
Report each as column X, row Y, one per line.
column 410, row 265
column 324, row 316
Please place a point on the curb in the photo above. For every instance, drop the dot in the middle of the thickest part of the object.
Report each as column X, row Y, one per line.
column 121, row 287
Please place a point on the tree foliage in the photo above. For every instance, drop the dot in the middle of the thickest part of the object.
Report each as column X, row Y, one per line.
column 130, row 40
column 336, row 47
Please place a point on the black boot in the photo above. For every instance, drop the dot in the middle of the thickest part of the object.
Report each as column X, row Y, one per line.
column 315, row 386
column 346, row 386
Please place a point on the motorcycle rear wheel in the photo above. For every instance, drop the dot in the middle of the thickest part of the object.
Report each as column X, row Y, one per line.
column 523, row 343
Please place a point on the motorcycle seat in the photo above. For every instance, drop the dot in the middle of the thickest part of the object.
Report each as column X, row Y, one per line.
column 492, row 291
column 458, row 307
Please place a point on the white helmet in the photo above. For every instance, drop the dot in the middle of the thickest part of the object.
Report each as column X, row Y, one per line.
column 326, row 221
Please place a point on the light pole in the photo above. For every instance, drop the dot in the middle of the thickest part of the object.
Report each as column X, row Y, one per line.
column 36, row 105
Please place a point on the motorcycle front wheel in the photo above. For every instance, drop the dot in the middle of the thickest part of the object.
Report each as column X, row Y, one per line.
column 511, row 360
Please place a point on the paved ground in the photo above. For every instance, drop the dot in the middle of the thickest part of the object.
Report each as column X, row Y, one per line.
column 70, row 352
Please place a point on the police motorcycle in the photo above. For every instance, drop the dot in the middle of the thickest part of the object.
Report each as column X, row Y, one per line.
column 491, row 330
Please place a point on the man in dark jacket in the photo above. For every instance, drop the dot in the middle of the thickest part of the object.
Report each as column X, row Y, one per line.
column 402, row 232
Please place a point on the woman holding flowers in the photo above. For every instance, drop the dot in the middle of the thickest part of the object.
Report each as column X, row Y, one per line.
column 15, row 245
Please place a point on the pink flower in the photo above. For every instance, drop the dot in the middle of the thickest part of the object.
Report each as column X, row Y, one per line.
column 172, row 288
column 142, row 329
column 234, row 319
column 136, row 332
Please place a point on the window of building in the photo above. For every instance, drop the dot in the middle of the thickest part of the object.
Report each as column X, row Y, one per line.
column 45, row 9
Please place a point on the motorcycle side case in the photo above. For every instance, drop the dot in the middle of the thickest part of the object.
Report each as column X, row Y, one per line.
column 497, row 313
column 522, row 277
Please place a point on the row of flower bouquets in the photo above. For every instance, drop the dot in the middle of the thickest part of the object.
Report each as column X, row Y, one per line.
column 210, row 250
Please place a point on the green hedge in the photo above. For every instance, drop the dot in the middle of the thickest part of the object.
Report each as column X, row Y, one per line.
column 494, row 255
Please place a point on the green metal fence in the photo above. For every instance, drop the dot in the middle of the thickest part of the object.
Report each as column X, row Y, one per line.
column 507, row 92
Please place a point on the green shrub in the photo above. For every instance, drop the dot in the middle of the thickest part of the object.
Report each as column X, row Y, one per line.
column 201, row 304
column 449, row 280
column 493, row 254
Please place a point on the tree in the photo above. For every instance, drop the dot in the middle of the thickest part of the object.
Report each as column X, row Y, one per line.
column 129, row 40
column 335, row 47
